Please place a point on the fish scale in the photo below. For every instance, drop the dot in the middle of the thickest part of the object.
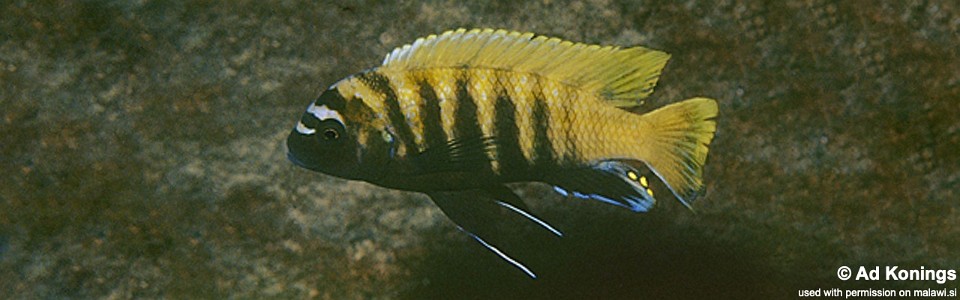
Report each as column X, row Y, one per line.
column 410, row 103
column 556, row 130
column 459, row 115
column 523, row 115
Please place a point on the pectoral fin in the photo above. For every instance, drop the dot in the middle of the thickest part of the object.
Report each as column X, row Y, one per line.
column 465, row 154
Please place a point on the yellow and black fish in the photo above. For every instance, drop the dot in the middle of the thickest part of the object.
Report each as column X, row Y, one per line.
column 460, row 114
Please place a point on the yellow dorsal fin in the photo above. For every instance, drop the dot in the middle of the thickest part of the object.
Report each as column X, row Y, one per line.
column 622, row 76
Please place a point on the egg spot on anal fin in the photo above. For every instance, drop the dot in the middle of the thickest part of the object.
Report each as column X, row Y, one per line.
column 611, row 181
column 640, row 179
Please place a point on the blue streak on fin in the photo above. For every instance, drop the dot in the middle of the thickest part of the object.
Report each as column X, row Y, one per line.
column 507, row 198
column 505, row 194
column 561, row 191
column 491, row 213
column 626, row 184
column 531, row 218
column 502, row 255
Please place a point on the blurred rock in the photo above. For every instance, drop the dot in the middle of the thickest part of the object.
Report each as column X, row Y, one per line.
column 144, row 158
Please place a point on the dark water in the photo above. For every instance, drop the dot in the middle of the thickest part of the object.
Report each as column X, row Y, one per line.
column 142, row 147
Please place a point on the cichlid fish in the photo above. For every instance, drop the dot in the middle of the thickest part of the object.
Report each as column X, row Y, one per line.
column 460, row 114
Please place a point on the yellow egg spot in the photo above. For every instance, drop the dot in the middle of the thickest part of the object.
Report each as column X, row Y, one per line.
column 649, row 191
column 386, row 137
column 643, row 181
column 632, row 175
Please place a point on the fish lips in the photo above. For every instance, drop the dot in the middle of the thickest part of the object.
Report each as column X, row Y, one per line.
column 321, row 168
column 296, row 161
column 357, row 174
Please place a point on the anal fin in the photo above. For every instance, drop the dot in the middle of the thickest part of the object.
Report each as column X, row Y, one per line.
column 628, row 184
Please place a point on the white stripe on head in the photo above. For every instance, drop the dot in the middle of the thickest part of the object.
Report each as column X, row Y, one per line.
column 324, row 113
column 321, row 113
column 303, row 129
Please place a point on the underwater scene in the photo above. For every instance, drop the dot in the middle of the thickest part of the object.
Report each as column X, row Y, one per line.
column 285, row 149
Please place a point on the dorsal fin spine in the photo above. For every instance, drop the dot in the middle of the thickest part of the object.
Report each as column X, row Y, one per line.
column 620, row 76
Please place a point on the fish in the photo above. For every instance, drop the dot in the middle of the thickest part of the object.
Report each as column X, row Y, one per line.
column 459, row 115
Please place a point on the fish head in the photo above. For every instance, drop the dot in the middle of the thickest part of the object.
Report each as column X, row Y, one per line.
column 332, row 137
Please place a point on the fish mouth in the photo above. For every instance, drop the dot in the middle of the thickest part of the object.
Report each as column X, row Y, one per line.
column 296, row 161
column 358, row 173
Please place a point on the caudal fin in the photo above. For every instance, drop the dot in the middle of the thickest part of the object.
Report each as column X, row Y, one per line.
column 676, row 144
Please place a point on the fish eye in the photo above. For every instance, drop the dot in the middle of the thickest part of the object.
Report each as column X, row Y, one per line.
column 330, row 131
column 330, row 134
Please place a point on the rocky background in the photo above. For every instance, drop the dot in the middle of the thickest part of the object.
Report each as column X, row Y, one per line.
column 143, row 157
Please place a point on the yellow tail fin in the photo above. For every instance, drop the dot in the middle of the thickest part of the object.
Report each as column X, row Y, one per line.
column 676, row 144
